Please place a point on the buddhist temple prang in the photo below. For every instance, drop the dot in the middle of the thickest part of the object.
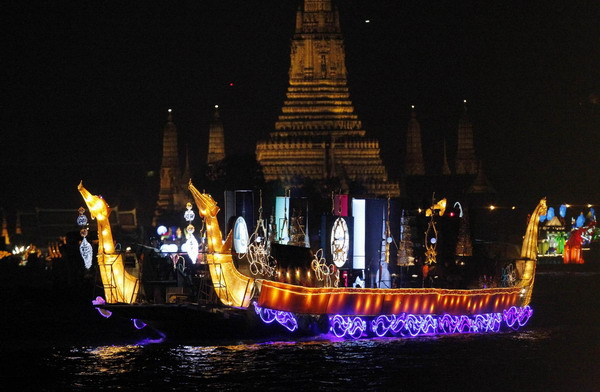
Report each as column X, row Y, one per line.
column 318, row 136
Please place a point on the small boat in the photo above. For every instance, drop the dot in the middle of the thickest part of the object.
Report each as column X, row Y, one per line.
column 347, row 312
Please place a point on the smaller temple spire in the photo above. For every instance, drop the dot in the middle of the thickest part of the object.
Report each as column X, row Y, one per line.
column 5, row 229
column 466, row 162
column 172, row 194
column 413, row 160
column 216, row 139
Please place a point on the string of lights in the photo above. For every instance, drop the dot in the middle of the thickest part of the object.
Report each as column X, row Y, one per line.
column 286, row 319
column 407, row 324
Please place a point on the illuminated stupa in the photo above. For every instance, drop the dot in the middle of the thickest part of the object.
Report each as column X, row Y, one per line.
column 318, row 136
column 466, row 163
column 173, row 194
column 216, row 139
column 215, row 160
column 414, row 165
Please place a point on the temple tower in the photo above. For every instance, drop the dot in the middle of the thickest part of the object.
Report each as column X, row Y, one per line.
column 216, row 139
column 172, row 196
column 413, row 160
column 466, row 163
column 5, row 229
column 318, row 135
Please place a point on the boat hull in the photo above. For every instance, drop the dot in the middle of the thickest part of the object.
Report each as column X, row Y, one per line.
column 373, row 302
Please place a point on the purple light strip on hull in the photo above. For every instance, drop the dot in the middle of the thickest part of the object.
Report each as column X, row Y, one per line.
column 138, row 324
column 418, row 325
column 286, row 319
column 406, row 324
column 103, row 312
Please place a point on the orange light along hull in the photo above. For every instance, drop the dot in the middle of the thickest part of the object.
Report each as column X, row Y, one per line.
column 373, row 302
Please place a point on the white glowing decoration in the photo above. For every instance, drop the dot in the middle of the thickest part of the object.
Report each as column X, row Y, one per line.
column 460, row 209
column 86, row 253
column 340, row 242
column 191, row 248
column 169, row 248
column 161, row 230
column 240, row 236
column 358, row 249
column 360, row 283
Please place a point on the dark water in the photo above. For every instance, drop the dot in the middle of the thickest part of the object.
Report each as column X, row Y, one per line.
column 558, row 351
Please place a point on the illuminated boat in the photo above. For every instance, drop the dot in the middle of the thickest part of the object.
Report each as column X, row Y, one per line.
column 344, row 311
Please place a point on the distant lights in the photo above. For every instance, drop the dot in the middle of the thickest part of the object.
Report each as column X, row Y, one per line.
column 513, row 208
column 412, row 106
column 492, row 207
column 367, row 20
column 589, row 206
column 170, row 110
column 464, row 101
column 216, row 106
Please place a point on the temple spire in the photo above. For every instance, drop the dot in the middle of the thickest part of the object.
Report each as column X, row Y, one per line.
column 318, row 135
column 216, row 139
column 466, row 162
column 413, row 160
column 171, row 196
column 5, row 229
column 319, row 16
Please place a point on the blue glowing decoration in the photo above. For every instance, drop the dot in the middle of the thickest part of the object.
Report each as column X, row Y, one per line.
column 542, row 218
column 419, row 325
column 286, row 319
column 580, row 220
column 138, row 324
column 408, row 325
column 550, row 213
column 82, row 220
column 592, row 214
column 517, row 317
column 562, row 211
column 351, row 326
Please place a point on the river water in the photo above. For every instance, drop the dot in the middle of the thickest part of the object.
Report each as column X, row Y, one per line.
column 559, row 350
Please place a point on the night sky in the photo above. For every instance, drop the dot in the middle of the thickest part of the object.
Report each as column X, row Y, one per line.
column 88, row 86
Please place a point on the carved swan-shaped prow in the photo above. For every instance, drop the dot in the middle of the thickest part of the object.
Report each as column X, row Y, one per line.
column 232, row 287
column 119, row 285
column 527, row 262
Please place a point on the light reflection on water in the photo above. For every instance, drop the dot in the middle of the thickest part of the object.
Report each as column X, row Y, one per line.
column 558, row 351
column 370, row 364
